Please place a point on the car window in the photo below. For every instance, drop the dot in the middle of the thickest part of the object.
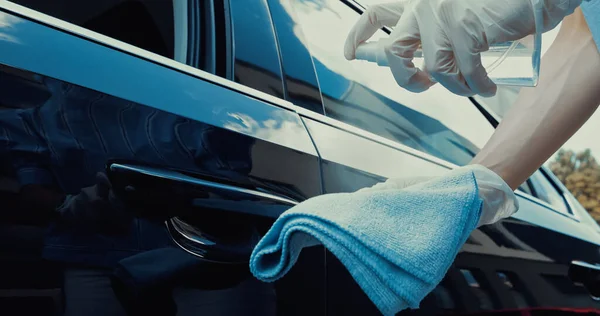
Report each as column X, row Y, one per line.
column 177, row 29
column 257, row 63
column 545, row 191
column 526, row 188
column 367, row 96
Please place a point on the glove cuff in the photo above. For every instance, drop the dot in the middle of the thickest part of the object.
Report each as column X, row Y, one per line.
column 499, row 200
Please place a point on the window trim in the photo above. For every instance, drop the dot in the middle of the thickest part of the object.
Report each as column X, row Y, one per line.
column 562, row 189
column 180, row 27
column 38, row 17
column 55, row 23
column 559, row 192
column 187, row 104
column 229, row 42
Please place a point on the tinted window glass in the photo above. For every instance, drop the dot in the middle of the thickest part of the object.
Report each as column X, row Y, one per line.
column 367, row 96
column 301, row 84
column 545, row 191
column 256, row 55
column 146, row 24
column 177, row 29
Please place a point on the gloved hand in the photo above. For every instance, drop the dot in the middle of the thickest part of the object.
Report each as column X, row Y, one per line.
column 452, row 33
column 374, row 18
column 499, row 200
column 95, row 207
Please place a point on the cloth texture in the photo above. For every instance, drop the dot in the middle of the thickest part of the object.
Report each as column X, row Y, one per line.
column 396, row 244
column 591, row 12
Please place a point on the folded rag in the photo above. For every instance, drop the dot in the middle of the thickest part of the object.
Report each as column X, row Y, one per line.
column 396, row 244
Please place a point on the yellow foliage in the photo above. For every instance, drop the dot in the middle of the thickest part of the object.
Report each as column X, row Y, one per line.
column 580, row 173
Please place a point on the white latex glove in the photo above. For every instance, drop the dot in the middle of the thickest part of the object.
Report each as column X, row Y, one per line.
column 374, row 18
column 452, row 34
column 499, row 200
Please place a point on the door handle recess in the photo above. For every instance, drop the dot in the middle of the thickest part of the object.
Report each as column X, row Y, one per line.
column 588, row 275
column 209, row 218
column 178, row 192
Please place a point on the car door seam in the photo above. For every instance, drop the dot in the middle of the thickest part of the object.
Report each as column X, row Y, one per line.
column 318, row 155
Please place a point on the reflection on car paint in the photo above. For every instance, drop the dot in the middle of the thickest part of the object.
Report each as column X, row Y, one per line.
column 175, row 92
column 351, row 162
column 302, row 86
column 54, row 144
column 257, row 62
column 82, row 104
column 367, row 96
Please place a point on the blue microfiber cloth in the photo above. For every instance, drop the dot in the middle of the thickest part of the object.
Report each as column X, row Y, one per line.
column 396, row 244
column 591, row 12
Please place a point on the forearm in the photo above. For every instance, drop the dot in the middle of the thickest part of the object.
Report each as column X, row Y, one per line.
column 544, row 118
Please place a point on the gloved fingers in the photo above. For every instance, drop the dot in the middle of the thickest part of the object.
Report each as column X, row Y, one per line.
column 476, row 76
column 400, row 50
column 440, row 57
column 467, row 49
column 374, row 18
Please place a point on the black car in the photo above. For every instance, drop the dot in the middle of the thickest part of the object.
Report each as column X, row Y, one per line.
column 146, row 145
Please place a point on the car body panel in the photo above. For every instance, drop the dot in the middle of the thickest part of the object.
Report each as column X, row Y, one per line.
column 265, row 130
column 91, row 104
column 353, row 157
column 513, row 246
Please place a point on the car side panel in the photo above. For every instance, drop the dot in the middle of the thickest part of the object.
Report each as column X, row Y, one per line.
column 351, row 162
column 70, row 104
column 519, row 262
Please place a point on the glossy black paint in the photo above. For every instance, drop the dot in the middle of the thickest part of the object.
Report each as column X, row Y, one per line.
column 531, row 252
column 69, row 114
column 586, row 275
column 73, row 132
column 534, row 259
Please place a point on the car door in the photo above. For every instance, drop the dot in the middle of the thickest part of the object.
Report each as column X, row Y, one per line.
column 126, row 143
column 373, row 130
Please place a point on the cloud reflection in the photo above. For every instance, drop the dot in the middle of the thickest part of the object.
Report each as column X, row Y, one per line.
column 279, row 127
column 7, row 25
